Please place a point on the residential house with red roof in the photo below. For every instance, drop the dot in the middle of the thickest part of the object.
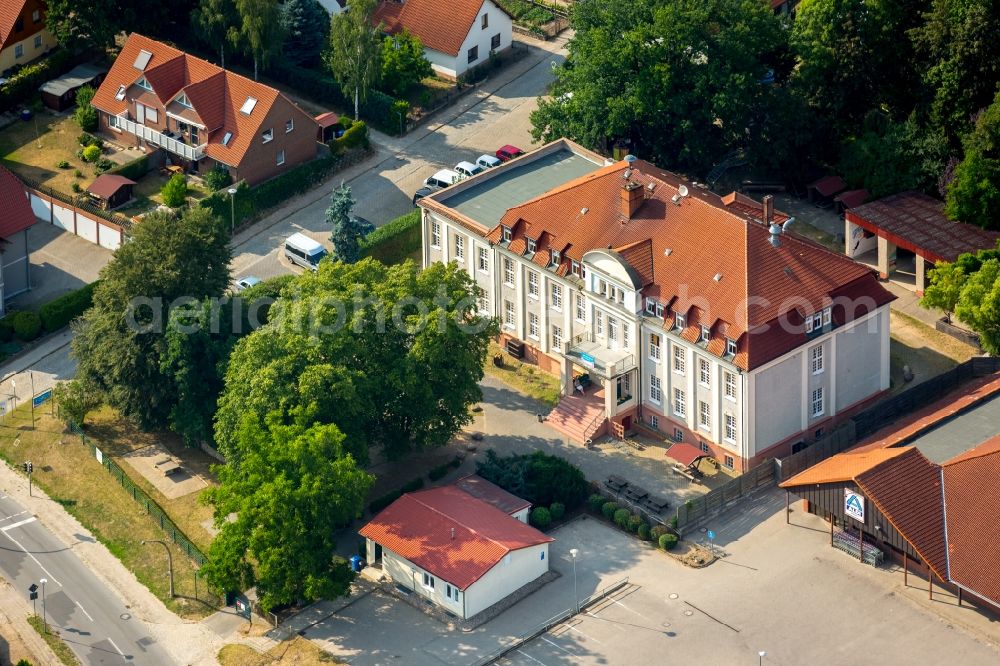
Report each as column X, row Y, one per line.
column 456, row 547
column 23, row 36
column 457, row 36
column 200, row 115
column 15, row 264
column 698, row 316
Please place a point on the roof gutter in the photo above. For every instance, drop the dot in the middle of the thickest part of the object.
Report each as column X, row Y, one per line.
column 944, row 509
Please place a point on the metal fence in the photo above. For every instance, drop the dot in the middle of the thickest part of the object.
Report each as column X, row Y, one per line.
column 144, row 500
column 695, row 510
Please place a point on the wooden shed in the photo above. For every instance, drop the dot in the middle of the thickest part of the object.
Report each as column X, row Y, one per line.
column 60, row 93
column 111, row 190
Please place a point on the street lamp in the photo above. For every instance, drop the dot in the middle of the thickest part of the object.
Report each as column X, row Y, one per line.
column 170, row 563
column 232, row 209
column 760, row 657
column 576, row 597
column 44, row 622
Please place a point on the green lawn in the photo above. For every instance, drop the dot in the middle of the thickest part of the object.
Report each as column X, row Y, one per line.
column 36, row 155
column 524, row 377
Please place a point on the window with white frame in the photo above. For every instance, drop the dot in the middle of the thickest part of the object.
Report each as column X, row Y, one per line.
column 267, row 135
column 459, row 247
column 289, row 125
column 451, row 592
column 183, row 100
column 484, row 260
column 557, row 337
column 581, row 308
column 428, row 580
column 533, row 284
column 680, row 321
column 507, row 235
column 826, row 316
column 484, row 304
column 654, row 346
column 680, row 359
column 38, row 41
column 602, row 287
column 730, row 347
column 817, row 402
column 730, row 428
column 279, row 159
column 508, row 315
column 659, row 310
column 654, row 421
column 626, row 334
column 599, row 322
column 680, row 408
column 575, row 268
column 556, row 296
column 508, row 272
column 816, row 359
column 706, row 333
column 731, row 385
column 704, row 372
column 704, row 448
column 818, row 320
column 650, row 306
column 143, row 83
column 704, row 415
column 435, row 234
column 533, row 325
column 554, row 257
column 729, row 462
column 486, row 21
column 678, row 435
column 531, row 245
column 612, row 329
column 655, row 390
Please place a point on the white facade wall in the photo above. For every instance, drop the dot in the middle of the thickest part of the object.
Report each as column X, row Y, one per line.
column 76, row 222
column 522, row 515
column 498, row 23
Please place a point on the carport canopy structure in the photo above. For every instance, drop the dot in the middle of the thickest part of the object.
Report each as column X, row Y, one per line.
column 685, row 454
column 914, row 222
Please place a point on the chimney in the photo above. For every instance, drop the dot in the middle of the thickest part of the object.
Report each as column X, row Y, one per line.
column 453, row 534
column 768, row 209
column 631, row 199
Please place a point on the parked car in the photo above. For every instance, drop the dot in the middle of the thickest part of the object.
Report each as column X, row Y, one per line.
column 421, row 193
column 509, row 152
column 441, row 179
column 304, row 251
column 468, row 169
column 245, row 282
column 364, row 225
column 488, row 161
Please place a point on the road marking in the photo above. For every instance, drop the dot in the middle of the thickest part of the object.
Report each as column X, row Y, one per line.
column 556, row 645
column 116, row 647
column 15, row 515
column 25, row 551
column 530, row 657
column 84, row 611
column 583, row 634
column 19, row 523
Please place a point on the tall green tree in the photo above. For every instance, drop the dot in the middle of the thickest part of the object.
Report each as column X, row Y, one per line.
column 260, row 29
column 216, row 23
column 83, row 26
column 120, row 341
column 403, row 63
column 680, row 83
column 293, row 488
column 973, row 196
column 979, row 305
column 355, row 54
column 346, row 233
column 392, row 355
column 945, row 282
column 307, row 31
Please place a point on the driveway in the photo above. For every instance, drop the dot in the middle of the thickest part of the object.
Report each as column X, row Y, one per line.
column 60, row 263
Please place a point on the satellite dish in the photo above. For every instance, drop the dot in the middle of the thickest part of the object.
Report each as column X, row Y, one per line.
column 682, row 190
column 631, row 159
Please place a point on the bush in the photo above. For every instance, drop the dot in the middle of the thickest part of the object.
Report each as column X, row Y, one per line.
column 438, row 472
column 6, row 330
column 58, row 313
column 27, row 325
column 134, row 170
column 380, row 503
column 667, row 541
column 91, row 153
column 354, row 137
column 78, row 174
column 87, row 139
column 540, row 517
column 412, row 486
column 609, row 509
column 644, row 531
column 217, row 178
column 558, row 510
column 62, row 164
column 75, row 186
column 537, row 477
column 657, row 531
column 74, row 401
column 595, row 502
column 102, row 165
column 633, row 523
column 23, row 86
column 621, row 518
column 673, row 522
column 174, row 192
column 85, row 115
column 394, row 242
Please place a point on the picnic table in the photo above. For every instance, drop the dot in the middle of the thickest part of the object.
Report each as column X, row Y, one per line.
column 654, row 503
column 167, row 466
column 616, row 483
column 635, row 493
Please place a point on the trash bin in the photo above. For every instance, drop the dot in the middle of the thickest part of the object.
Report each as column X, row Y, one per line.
column 26, row 114
column 357, row 563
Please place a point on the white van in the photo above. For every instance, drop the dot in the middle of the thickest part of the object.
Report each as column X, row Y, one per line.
column 304, row 251
column 441, row 179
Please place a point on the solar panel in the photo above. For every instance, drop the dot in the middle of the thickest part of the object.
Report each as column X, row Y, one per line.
column 142, row 60
column 248, row 105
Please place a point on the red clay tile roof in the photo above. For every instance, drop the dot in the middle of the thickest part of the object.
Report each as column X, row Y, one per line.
column 216, row 94
column 828, row 185
column 327, row 119
column 491, row 493
column 917, row 222
column 907, row 490
column 689, row 244
column 852, row 198
column 17, row 215
column 10, row 10
column 842, row 467
column 107, row 184
column 441, row 26
column 418, row 526
column 685, row 453
column 972, row 510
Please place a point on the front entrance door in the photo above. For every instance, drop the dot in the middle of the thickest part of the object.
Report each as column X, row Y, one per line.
column 140, row 114
column 623, row 387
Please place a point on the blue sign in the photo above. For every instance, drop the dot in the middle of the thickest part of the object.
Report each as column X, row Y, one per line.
column 587, row 359
column 41, row 398
column 711, row 535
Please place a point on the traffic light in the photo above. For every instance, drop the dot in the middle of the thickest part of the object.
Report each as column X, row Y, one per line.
column 28, row 467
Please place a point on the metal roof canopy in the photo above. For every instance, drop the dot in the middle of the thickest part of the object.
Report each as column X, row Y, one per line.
column 76, row 77
column 960, row 433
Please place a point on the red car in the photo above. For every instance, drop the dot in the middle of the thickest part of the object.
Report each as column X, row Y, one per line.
column 508, row 153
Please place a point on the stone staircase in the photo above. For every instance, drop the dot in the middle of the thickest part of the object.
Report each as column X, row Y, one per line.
column 579, row 417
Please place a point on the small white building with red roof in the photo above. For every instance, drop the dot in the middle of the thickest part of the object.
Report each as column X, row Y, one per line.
column 456, row 548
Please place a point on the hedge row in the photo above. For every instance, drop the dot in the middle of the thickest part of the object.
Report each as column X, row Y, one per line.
column 134, row 170
column 60, row 312
column 394, row 242
column 380, row 503
column 23, row 86
column 439, row 471
column 633, row 523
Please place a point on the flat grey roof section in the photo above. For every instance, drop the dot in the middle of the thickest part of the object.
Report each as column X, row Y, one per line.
column 74, row 78
column 963, row 432
column 488, row 201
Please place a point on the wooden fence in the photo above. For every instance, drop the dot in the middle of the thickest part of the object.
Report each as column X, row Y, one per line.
column 712, row 503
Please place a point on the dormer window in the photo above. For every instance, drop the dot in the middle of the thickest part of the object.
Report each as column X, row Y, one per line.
column 680, row 321
column 706, row 333
column 659, row 310
column 554, row 257
column 576, row 269
column 650, row 306
column 730, row 347
column 817, row 320
column 183, row 100
column 531, row 245
column 267, row 136
column 143, row 83
column 507, row 234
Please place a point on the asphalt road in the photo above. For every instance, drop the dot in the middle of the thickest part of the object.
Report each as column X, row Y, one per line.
column 92, row 620
column 384, row 191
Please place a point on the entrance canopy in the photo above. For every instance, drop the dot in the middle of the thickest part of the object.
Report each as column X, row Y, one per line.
column 684, row 453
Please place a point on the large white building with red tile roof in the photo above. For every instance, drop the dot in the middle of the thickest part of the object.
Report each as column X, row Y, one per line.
column 690, row 314
column 458, row 35
column 161, row 99
column 457, row 549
